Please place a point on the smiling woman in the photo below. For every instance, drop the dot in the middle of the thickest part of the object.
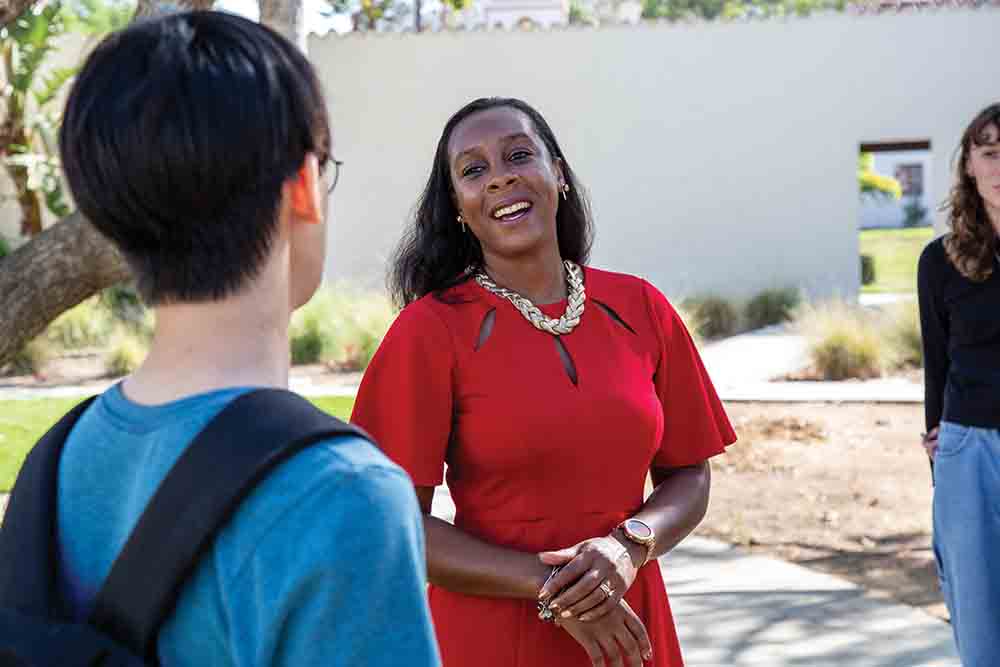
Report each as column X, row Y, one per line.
column 551, row 389
column 437, row 252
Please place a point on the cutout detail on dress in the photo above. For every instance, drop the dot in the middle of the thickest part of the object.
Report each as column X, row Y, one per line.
column 567, row 361
column 614, row 316
column 486, row 328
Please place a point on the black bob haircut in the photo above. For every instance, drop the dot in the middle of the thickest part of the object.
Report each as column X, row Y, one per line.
column 177, row 137
column 434, row 253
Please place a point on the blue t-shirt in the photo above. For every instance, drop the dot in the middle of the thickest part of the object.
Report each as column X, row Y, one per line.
column 322, row 564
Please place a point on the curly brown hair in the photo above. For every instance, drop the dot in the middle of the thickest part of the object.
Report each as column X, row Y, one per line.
column 973, row 241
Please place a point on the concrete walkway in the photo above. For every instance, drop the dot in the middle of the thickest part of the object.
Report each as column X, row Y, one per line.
column 734, row 609
column 743, row 368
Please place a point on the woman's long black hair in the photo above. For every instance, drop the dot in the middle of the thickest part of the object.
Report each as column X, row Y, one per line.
column 434, row 253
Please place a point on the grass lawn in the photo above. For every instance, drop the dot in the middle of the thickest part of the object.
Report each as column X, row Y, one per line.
column 896, row 252
column 22, row 423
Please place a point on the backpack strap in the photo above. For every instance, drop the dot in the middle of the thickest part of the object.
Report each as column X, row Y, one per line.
column 239, row 447
column 28, row 555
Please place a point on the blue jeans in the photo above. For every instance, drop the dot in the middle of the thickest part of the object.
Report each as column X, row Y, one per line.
column 967, row 538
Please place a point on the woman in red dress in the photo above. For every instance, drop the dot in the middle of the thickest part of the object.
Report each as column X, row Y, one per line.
column 550, row 389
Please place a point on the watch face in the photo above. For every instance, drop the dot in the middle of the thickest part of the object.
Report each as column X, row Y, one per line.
column 639, row 529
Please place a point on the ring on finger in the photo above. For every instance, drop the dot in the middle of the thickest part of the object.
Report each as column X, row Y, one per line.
column 607, row 588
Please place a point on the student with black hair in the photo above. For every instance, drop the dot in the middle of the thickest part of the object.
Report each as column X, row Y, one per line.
column 198, row 143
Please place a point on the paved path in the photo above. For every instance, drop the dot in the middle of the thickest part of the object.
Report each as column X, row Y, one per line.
column 743, row 368
column 734, row 609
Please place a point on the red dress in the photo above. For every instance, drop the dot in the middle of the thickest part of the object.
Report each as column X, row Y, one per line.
column 536, row 462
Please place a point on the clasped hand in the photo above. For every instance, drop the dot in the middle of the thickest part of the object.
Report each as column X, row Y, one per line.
column 597, row 616
column 586, row 567
column 619, row 635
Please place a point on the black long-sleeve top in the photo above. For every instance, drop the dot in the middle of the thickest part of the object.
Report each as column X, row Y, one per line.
column 960, row 325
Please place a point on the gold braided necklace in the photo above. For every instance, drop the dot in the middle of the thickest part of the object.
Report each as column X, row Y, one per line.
column 531, row 312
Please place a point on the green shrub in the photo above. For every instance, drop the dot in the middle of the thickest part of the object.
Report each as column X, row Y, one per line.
column 340, row 326
column 716, row 317
column 124, row 302
column 308, row 341
column 145, row 325
column 772, row 306
column 30, row 359
column 4, row 247
column 87, row 324
column 914, row 214
column 843, row 341
column 367, row 319
column 124, row 353
column 903, row 335
column 867, row 270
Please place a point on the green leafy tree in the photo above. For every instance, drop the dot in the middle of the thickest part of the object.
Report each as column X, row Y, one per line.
column 873, row 185
column 914, row 214
column 32, row 98
column 709, row 10
column 579, row 14
column 34, row 289
column 372, row 15
column 368, row 13
column 97, row 17
column 31, row 118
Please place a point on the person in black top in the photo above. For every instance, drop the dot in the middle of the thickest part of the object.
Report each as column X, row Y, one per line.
column 959, row 290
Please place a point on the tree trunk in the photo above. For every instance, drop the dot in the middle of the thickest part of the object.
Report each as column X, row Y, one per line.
column 285, row 17
column 68, row 262
column 56, row 270
column 27, row 199
column 11, row 9
column 147, row 8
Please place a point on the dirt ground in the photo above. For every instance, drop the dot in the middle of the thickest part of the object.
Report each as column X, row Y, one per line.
column 845, row 489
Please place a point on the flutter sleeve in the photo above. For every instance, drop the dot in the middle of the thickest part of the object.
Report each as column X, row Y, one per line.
column 695, row 424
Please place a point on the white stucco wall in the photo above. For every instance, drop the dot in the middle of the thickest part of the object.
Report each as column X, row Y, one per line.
column 719, row 157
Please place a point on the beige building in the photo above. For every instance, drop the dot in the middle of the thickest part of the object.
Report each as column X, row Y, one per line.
column 523, row 14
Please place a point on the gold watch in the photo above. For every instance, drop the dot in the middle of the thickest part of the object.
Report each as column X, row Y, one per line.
column 638, row 531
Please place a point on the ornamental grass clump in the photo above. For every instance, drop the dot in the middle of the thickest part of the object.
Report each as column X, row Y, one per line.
column 340, row 326
column 125, row 352
column 773, row 306
column 902, row 332
column 715, row 316
column 843, row 340
column 88, row 324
